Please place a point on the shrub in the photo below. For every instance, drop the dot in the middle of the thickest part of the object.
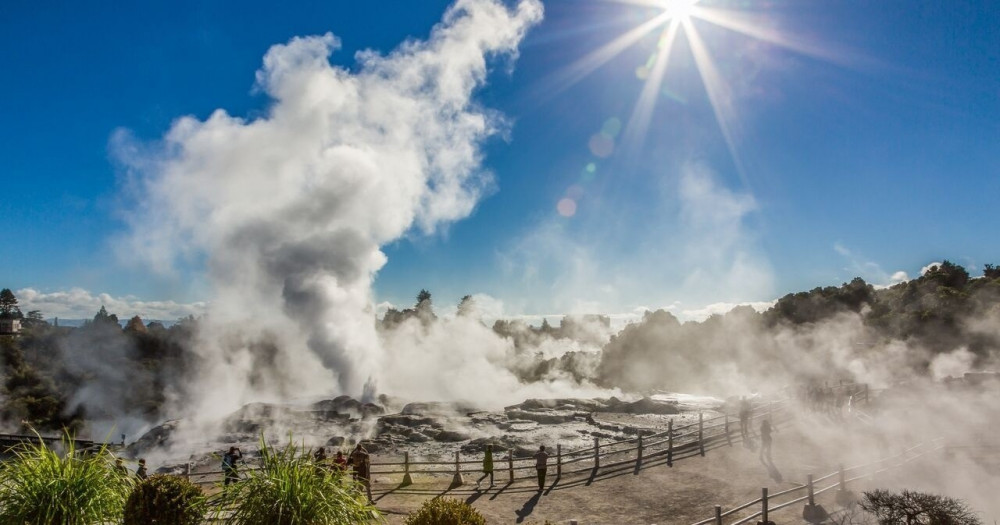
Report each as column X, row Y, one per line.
column 917, row 508
column 288, row 489
column 42, row 487
column 165, row 500
column 446, row 511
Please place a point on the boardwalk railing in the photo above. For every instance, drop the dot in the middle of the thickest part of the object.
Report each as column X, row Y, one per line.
column 769, row 503
column 677, row 441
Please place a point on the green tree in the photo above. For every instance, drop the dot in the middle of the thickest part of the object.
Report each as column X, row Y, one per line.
column 104, row 318
column 467, row 306
column 8, row 304
column 991, row 271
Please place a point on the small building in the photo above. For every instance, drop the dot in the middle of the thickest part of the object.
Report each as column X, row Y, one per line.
column 10, row 326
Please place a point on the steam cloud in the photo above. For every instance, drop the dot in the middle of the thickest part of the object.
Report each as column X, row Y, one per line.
column 288, row 211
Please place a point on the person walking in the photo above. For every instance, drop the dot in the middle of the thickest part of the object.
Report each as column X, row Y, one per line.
column 487, row 466
column 361, row 462
column 541, row 465
column 765, row 439
column 229, row 468
column 745, row 409
column 141, row 471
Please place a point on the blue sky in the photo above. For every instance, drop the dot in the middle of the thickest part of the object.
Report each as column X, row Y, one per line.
column 846, row 138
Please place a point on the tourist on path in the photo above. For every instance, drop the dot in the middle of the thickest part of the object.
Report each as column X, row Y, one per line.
column 141, row 471
column 765, row 438
column 229, row 468
column 340, row 462
column 361, row 462
column 745, row 411
column 487, row 466
column 541, row 465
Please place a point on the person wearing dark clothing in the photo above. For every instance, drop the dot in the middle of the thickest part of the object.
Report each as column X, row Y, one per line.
column 361, row 463
column 141, row 471
column 229, row 468
column 541, row 465
column 745, row 409
column 120, row 468
column 487, row 466
column 765, row 439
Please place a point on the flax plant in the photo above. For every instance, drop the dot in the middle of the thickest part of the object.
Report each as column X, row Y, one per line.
column 290, row 489
column 42, row 487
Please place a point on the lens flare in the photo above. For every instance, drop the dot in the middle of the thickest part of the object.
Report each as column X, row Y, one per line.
column 676, row 19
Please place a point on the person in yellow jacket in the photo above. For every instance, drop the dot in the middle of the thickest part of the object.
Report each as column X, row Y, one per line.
column 487, row 466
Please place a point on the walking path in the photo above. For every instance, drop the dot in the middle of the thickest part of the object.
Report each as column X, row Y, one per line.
column 651, row 493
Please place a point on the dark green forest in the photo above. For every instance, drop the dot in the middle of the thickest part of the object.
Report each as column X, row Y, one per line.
column 54, row 377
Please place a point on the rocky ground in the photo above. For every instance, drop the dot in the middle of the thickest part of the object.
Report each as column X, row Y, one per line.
column 427, row 431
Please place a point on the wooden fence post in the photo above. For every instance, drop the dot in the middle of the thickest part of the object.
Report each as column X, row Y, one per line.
column 407, row 480
column 597, row 453
column 841, row 483
column 763, row 505
column 867, row 401
column 457, row 480
column 809, row 488
column 718, row 515
column 187, row 471
column 729, row 439
column 638, row 457
column 670, row 443
column 510, row 464
column 701, row 432
column 558, row 460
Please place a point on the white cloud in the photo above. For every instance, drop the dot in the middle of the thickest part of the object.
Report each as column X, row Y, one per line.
column 925, row 269
column 870, row 271
column 78, row 303
column 700, row 314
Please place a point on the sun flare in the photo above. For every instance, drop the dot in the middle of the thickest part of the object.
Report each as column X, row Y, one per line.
column 680, row 9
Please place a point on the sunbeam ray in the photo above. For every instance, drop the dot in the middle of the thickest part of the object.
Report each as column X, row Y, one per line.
column 638, row 123
column 719, row 96
column 586, row 65
column 746, row 25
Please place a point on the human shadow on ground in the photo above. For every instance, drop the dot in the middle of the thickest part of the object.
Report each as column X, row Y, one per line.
column 501, row 489
column 772, row 470
column 553, row 485
column 528, row 507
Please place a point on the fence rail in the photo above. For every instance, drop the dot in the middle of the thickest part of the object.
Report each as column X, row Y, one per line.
column 676, row 440
column 868, row 470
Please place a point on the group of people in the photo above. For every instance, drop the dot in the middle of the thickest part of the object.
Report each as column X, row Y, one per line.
column 359, row 461
column 140, row 471
column 541, row 466
column 746, row 414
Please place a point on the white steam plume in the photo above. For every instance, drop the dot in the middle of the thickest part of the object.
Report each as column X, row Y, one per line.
column 289, row 210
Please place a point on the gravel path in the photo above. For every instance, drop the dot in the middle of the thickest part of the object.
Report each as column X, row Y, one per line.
column 653, row 493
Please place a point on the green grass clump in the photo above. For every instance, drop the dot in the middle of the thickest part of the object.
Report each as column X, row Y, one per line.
column 42, row 487
column 165, row 500
column 445, row 511
column 289, row 489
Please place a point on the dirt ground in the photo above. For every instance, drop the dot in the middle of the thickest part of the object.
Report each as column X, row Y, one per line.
column 650, row 493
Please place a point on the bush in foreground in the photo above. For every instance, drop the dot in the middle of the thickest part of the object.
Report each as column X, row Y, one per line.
column 289, row 489
column 42, row 487
column 917, row 508
column 446, row 511
column 165, row 500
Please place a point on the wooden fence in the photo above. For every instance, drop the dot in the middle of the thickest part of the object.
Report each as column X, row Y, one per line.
column 770, row 503
column 675, row 442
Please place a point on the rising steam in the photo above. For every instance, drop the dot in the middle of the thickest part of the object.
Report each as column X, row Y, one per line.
column 288, row 211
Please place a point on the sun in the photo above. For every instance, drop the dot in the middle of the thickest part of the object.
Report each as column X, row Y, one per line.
column 679, row 9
